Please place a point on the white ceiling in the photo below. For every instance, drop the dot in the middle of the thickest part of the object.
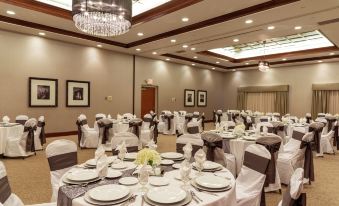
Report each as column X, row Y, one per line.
column 305, row 13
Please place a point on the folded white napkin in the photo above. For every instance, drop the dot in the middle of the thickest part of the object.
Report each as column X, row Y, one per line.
column 200, row 156
column 121, row 147
column 151, row 144
column 5, row 119
column 100, row 151
column 102, row 165
column 187, row 151
column 109, row 116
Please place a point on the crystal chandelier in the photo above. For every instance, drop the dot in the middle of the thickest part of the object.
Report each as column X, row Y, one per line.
column 264, row 66
column 102, row 17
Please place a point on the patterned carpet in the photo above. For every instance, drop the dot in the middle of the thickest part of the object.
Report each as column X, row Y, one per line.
column 30, row 179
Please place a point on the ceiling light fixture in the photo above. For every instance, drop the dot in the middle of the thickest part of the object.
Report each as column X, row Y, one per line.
column 185, row 19
column 236, row 40
column 332, row 53
column 138, row 49
column 297, row 27
column 154, row 53
column 193, row 49
column 249, row 21
column 102, row 18
column 195, row 57
column 42, row 33
column 284, row 59
column 271, row 27
column 99, row 45
column 185, row 46
column 217, row 62
column 264, row 66
column 140, row 34
column 193, row 64
column 173, row 40
column 320, row 61
column 10, row 12
column 168, row 59
column 213, row 68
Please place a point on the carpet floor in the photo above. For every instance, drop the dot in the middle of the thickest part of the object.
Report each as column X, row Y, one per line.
column 30, row 178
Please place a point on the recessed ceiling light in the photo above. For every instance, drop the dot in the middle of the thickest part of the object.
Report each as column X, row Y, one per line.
column 138, row 49
column 332, row 53
column 10, row 12
column 193, row 49
column 249, row 21
column 235, row 40
column 217, row 62
column 247, row 63
column 185, row 46
column 320, row 61
column 195, row 57
column 233, row 70
column 297, row 27
column 42, row 33
column 140, row 34
column 185, row 19
column 271, row 27
column 154, row 53
column 193, row 64
column 213, row 68
column 99, row 45
column 168, row 59
column 284, row 59
column 173, row 40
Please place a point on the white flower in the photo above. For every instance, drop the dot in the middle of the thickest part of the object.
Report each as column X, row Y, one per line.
column 148, row 156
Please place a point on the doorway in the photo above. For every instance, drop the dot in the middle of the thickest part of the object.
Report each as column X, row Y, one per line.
column 148, row 99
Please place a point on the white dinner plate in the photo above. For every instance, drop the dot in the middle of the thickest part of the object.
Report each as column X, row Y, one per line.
column 128, row 181
column 213, row 182
column 209, row 165
column 158, row 181
column 131, row 156
column 250, row 138
column 93, row 162
column 176, row 165
column 113, row 173
column 166, row 195
column 171, row 155
column 88, row 199
column 109, row 192
column 119, row 166
column 82, row 175
column 167, row 162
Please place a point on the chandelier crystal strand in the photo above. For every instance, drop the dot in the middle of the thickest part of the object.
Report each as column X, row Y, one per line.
column 102, row 17
column 264, row 66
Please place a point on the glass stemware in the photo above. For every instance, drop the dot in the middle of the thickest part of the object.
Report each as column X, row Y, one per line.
column 185, row 171
column 143, row 178
column 121, row 156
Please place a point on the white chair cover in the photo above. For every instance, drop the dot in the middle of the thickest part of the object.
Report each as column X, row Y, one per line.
column 131, row 140
column 21, row 119
column 294, row 189
column 169, row 126
column 37, row 141
column 251, row 179
column 326, row 145
column 194, row 140
column 128, row 116
column 89, row 137
column 16, row 146
column 64, row 150
column 97, row 117
column 105, row 133
column 147, row 129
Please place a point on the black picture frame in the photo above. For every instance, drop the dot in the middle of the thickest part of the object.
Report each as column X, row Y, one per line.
column 42, row 92
column 82, row 97
column 189, row 98
column 204, row 103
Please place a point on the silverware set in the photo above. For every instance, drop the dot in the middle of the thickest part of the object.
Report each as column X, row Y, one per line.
column 196, row 198
column 206, row 192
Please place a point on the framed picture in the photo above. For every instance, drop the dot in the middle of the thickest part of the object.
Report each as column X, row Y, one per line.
column 202, row 98
column 78, row 93
column 42, row 92
column 189, row 98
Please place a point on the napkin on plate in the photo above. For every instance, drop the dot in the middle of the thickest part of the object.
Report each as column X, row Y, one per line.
column 99, row 152
column 121, row 148
column 102, row 165
column 5, row 119
column 200, row 156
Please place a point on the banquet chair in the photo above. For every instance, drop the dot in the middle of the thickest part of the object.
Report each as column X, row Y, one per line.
column 297, row 154
column 308, row 117
column 182, row 113
column 194, row 140
column 97, row 117
column 105, row 133
column 89, row 138
column 169, row 124
column 251, row 179
column 128, row 116
column 264, row 119
column 7, row 198
column 213, row 146
column 321, row 115
column 326, row 145
column 227, row 125
column 218, row 116
column 39, row 134
column 162, row 120
column 293, row 195
column 22, row 146
column 131, row 140
column 260, row 126
column 180, row 122
column 21, row 119
column 196, row 116
column 147, row 129
column 62, row 156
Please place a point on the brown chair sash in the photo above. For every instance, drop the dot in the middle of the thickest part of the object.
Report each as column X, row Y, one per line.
column 150, row 120
column 297, row 135
column 203, row 122
column 135, row 124
column 105, row 133
column 179, row 148
column 214, row 116
column 269, row 129
column 169, row 118
column 155, row 131
column 193, row 130
column 19, row 121
column 336, row 137
column 317, row 135
column 330, row 123
column 42, row 135
column 229, row 116
column 62, row 161
column 129, row 149
column 196, row 116
column 211, row 146
column 30, row 146
column 287, row 200
column 79, row 131
column 308, row 163
column 247, row 125
column 219, row 117
column 308, row 120
column 188, row 117
column 321, row 115
column 272, row 145
column 234, row 117
column 5, row 189
column 98, row 118
column 264, row 120
column 256, row 162
column 231, row 127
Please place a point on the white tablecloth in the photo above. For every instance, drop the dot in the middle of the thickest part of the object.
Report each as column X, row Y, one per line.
column 7, row 132
column 223, row 198
column 120, row 127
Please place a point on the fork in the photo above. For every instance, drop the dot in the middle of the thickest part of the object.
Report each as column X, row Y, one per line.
column 194, row 195
column 129, row 201
column 210, row 193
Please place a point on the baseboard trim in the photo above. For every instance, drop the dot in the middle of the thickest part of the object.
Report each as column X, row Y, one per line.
column 59, row 134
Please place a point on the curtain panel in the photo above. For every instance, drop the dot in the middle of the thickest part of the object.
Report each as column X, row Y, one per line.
column 325, row 98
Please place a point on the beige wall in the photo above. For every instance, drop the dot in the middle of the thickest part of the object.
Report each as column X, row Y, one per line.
column 299, row 78
column 110, row 73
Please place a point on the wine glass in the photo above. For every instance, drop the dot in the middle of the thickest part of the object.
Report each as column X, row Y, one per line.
column 185, row 171
column 121, row 156
column 143, row 179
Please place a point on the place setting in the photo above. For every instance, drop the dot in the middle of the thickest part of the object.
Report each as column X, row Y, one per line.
column 81, row 177
column 211, row 183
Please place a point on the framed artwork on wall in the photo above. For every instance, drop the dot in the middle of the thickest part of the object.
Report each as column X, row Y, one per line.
column 78, row 93
column 202, row 98
column 189, row 98
column 42, row 92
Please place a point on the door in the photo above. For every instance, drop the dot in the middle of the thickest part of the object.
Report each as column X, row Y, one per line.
column 147, row 100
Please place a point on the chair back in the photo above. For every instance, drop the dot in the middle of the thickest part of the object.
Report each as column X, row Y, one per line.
column 21, row 119
column 213, row 147
column 193, row 127
column 27, row 138
column 6, row 195
column 131, row 140
column 40, row 131
column 99, row 116
column 293, row 194
column 105, row 130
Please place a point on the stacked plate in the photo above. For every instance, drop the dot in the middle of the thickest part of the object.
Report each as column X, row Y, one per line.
column 92, row 163
column 123, row 165
column 131, row 156
column 209, row 166
column 250, row 138
column 108, row 195
column 211, row 183
column 81, row 176
column 172, row 156
column 169, row 196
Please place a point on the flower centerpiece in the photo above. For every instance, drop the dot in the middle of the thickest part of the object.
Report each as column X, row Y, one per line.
column 239, row 130
column 149, row 157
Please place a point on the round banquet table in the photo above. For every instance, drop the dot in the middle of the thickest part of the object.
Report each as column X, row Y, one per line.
column 7, row 131
column 228, row 197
